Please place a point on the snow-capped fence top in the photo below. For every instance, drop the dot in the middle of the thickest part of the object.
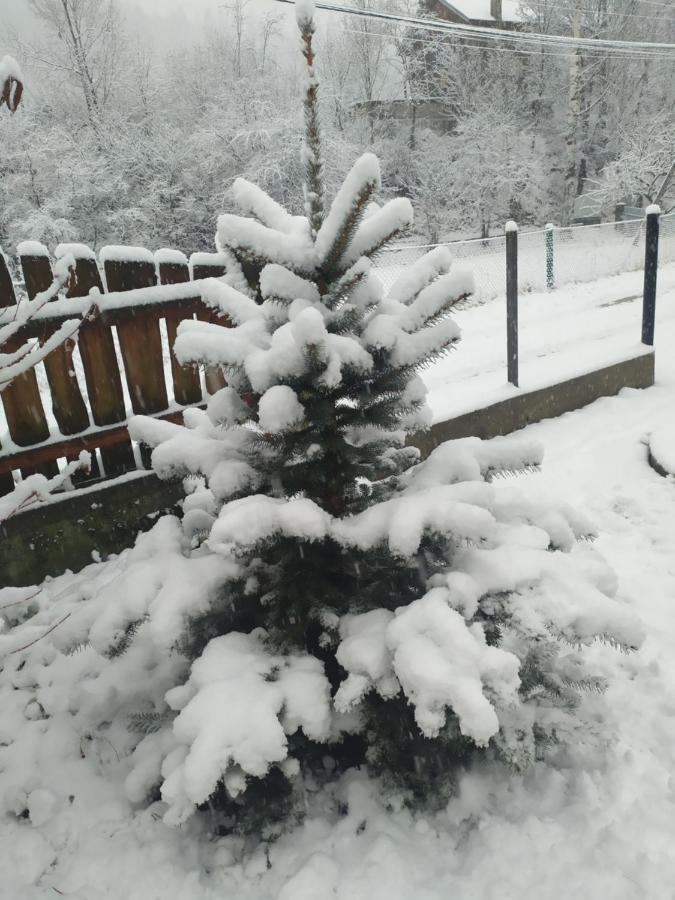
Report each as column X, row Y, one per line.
column 123, row 362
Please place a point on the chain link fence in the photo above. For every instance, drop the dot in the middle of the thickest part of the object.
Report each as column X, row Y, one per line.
column 547, row 258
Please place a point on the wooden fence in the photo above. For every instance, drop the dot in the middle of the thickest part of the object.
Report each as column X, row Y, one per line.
column 124, row 344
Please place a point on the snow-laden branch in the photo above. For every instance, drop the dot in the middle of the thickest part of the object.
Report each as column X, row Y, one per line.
column 18, row 360
column 37, row 488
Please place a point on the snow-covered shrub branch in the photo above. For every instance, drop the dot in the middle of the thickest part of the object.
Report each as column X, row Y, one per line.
column 37, row 488
column 17, row 357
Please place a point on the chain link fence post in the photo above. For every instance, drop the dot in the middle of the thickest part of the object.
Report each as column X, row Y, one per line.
column 550, row 277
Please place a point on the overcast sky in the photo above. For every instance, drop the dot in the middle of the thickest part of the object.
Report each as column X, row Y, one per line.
column 174, row 15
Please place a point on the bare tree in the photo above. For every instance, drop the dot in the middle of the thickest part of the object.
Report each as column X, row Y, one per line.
column 237, row 10
column 268, row 32
column 89, row 35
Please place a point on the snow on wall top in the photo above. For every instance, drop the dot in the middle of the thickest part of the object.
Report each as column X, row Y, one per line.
column 168, row 256
column 125, row 254
column 479, row 10
column 79, row 251
column 32, row 248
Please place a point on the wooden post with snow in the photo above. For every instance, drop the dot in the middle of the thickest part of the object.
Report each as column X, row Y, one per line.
column 70, row 410
column 25, row 414
column 173, row 268
column 511, row 230
column 140, row 339
column 99, row 362
column 651, row 267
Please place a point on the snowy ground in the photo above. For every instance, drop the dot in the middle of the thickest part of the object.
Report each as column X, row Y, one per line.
column 561, row 334
column 602, row 830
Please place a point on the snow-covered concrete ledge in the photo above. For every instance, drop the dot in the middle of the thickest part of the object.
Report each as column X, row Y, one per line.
column 76, row 527
column 521, row 408
column 81, row 526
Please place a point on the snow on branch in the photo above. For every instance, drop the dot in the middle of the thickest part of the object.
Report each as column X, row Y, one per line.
column 347, row 209
column 305, row 10
column 254, row 241
column 12, row 319
column 421, row 273
column 386, row 224
column 253, row 201
column 282, row 286
column 267, row 697
column 37, row 488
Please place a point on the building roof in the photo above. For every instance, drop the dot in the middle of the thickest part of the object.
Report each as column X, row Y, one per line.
column 479, row 10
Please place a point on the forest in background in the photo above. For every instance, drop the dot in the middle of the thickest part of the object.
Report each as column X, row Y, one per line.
column 119, row 142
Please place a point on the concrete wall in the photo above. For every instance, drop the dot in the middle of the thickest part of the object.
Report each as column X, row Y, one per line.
column 63, row 535
column 533, row 406
column 52, row 538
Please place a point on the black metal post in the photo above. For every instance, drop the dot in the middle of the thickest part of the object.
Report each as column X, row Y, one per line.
column 651, row 268
column 550, row 276
column 512, row 301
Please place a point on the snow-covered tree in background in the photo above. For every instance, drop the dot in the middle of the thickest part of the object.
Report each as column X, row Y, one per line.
column 644, row 171
column 17, row 355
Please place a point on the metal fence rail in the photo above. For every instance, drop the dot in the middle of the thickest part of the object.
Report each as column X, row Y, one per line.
column 547, row 258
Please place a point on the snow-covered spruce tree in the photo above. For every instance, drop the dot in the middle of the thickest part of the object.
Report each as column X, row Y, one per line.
column 341, row 602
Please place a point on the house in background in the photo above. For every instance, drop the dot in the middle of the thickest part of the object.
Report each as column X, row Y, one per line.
column 505, row 14
column 434, row 112
column 391, row 115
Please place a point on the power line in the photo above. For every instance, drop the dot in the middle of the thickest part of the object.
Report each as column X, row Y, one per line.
column 650, row 49
column 468, row 44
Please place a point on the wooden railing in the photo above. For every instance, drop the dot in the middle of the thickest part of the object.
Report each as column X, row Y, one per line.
column 120, row 345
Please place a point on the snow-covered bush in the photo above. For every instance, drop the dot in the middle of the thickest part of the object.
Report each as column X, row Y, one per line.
column 327, row 600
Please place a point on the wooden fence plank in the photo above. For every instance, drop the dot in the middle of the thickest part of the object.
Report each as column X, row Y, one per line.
column 140, row 339
column 68, row 406
column 70, row 410
column 6, row 286
column 140, row 342
column 105, row 438
column 210, row 265
column 173, row 269
column 99, row 362
column 21, row 399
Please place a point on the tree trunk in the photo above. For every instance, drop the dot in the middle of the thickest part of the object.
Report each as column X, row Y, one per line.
column 572, row 142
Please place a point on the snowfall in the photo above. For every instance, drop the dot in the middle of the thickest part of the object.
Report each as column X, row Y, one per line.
column 594, row 825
